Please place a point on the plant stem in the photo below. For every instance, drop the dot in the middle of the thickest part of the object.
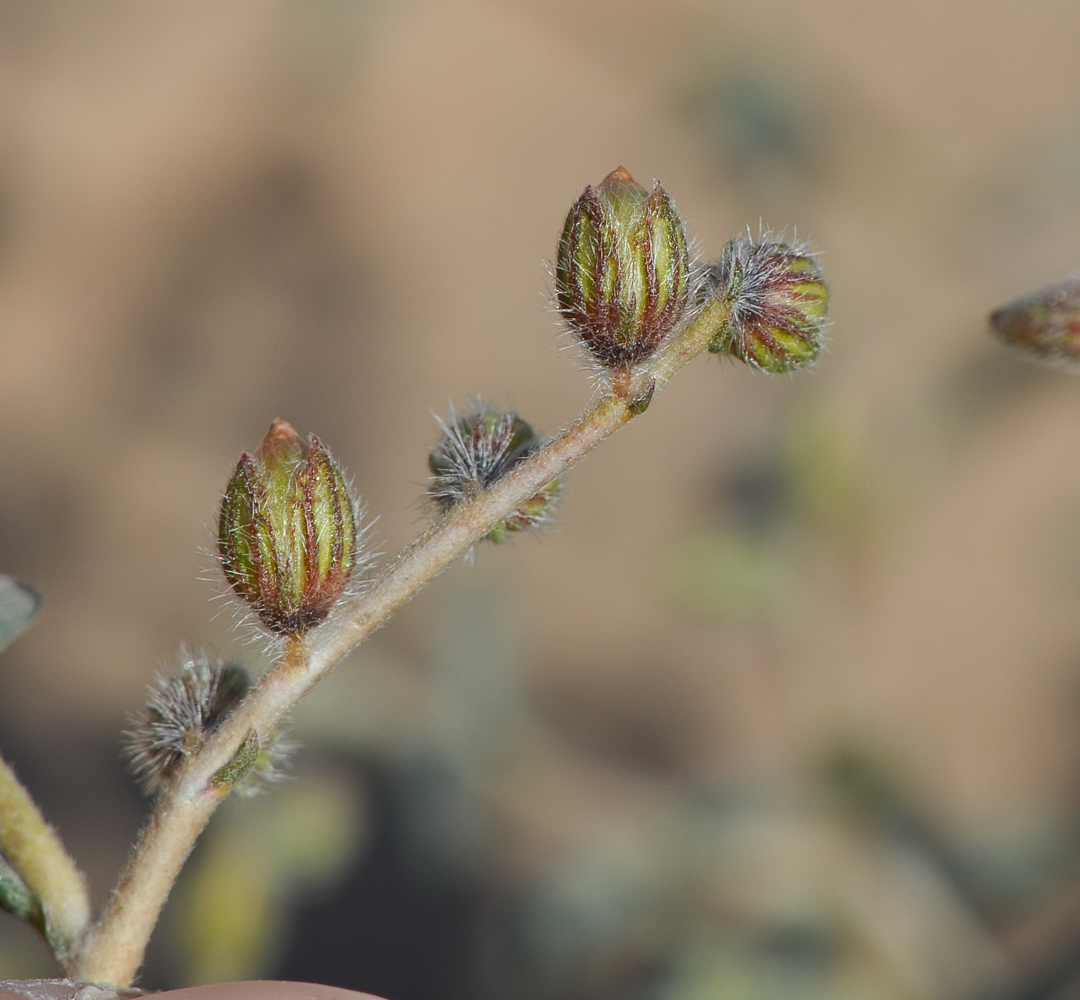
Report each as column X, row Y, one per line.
column 35, row 852
column 115, row 947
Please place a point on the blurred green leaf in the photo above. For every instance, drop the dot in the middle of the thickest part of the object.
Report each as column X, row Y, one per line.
column 729, row 573
column 16, row 898
column 827, row 462
column 19, row 606
column 232, row 905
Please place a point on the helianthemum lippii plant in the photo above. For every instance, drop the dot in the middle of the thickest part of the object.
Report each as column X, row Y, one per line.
column 291, row 547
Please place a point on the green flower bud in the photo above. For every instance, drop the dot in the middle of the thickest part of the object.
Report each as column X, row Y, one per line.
column 1045, row 324
column 779, row 303
column 477, row 449
column 287, row 532
column 622, row 276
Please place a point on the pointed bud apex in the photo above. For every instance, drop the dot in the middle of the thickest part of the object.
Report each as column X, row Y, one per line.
column 622, row 276
column 1045, row 324
column 287, row 532
column 477, row 449
column 779, row 303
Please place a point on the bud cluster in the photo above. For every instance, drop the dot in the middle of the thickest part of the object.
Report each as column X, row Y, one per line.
column 478, row 448
column 289, row 541
column 622, row 274
column 778, row 304
column 182, row 712
column 1046, row 324
column 287, row 532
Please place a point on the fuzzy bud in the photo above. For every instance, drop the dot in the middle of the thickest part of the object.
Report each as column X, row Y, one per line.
column 287, row 532
column 1046, row 324
column 779, row 303
column 477, row 449
column 182, row 711
column 622, row 275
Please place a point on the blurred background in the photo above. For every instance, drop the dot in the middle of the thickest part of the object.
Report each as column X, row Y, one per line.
column 788, row 706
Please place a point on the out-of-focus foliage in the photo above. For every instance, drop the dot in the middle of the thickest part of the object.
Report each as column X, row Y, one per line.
column 19, row 606
column 278, row 849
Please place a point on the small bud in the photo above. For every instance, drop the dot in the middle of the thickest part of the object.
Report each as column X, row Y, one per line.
column 779, row 301
column 477, row 449
column 183, row 711
column 287, row 532
column 622, row 275
column 1046, row 324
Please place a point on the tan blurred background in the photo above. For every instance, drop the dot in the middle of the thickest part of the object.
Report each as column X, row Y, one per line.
column 789, row 703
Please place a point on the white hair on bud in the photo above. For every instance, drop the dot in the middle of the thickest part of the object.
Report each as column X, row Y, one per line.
column 183, row 709
column 477, row 448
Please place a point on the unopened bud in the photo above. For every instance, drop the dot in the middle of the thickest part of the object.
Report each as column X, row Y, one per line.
column 622, row 276
column 183, row 710
column 477, row 449
column 287, row 531
column 1045, row 324
column 778, row 301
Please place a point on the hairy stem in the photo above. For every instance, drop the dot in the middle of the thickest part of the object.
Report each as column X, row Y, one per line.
column 35, row 852
column 115, row 947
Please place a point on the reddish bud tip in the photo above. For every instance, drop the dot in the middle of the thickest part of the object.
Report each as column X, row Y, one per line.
column 620, row 175
column 282, row 441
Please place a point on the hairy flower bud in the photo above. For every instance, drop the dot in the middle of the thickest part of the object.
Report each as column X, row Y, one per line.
column 477, row 449
column 1045, row 324
column 183, row 710
column 622, row 276
column 287, row 532
column 779, row 303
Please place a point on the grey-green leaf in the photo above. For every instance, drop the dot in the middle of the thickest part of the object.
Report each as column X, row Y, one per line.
column 19, row 605
column 16, row 898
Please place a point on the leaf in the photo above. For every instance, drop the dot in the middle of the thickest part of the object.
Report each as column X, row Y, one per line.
column 19, row 605
column 16, row 898
column 242, row 762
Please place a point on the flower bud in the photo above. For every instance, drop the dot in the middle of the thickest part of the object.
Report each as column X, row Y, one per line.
column 1045, row 324
column 477, row 449
column 183, row 710
column 622, row 276
column 287, row 532
column 779, row 301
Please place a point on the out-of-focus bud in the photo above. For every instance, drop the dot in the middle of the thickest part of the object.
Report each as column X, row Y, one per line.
column 779, row 303
column 622, row 275
column 1046, row 324
column 287, row 533
column 183, row 710
column 478, row 448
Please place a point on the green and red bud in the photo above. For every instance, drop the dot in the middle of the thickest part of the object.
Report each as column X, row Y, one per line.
column 622, row 273
column 1046, row 324
column 287, row 533
column 476, row 450
column 778, row 303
